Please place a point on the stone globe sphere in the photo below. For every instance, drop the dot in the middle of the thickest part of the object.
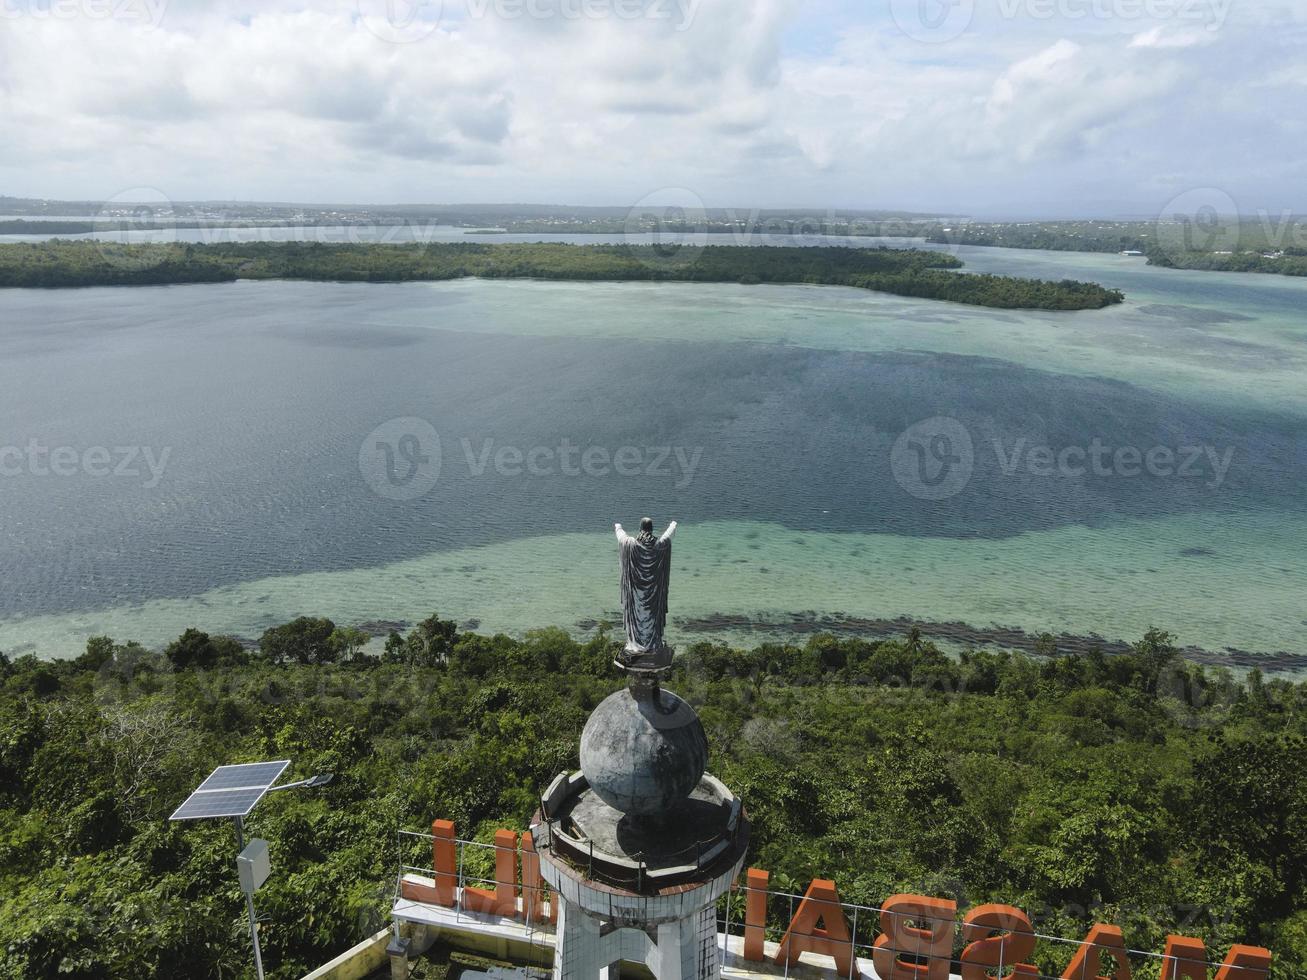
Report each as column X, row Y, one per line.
column 643, row 751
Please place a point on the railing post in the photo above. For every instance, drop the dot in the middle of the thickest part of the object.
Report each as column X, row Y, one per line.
column 458, row 894
column 853, row 946
column 726, row 951
column 791, row 921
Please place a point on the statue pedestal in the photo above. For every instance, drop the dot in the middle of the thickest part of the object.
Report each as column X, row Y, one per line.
column 645, row 671
column 632, row 659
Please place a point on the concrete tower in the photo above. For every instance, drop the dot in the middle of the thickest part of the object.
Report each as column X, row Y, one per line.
column 639, row 845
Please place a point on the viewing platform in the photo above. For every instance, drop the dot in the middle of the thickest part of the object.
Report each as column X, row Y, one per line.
column 514, row 940
column 490, row 900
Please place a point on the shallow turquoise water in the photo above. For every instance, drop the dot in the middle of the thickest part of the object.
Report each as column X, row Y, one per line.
column 1131, row 576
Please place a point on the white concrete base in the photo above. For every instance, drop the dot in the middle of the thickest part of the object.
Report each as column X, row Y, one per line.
column 682, row 950
column 356, row 962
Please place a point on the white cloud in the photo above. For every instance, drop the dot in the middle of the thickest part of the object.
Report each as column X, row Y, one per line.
column 1169, row 36
column 767, row 102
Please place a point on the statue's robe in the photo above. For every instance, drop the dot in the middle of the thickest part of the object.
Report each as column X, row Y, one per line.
column 646, row 569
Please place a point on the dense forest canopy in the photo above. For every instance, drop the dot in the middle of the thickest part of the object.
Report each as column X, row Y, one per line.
column 1277, row 246
column 1136, row 789
column 904, row 272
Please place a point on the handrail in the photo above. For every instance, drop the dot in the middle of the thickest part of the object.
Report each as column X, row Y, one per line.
column 703, row 852
column 735, row 926
column 856, row 909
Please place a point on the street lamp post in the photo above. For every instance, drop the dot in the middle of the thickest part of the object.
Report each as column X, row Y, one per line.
column 234, row 791
column 253, row 866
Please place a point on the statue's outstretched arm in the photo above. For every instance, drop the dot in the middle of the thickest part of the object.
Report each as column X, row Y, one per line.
column 621, row 535
column 667, row 535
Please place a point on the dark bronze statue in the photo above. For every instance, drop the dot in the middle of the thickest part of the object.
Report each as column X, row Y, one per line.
column 646, row 568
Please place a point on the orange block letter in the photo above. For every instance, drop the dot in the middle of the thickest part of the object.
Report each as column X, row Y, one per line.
column 415, row 891
column 1013, row 944
column 821, row 905
column 533, row 885
column 932, row 941
column 1185, row 959
column 1087, row 964
column 444, row 861
column 502, row 900
column 755, row 914
column 1245, row 963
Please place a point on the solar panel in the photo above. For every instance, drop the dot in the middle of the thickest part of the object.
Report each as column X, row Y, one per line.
column 231, row 791
column 241, row 777
column 219, row 803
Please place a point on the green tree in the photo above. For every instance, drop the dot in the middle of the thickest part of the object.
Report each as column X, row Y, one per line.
column 303, row 641
column 349, row 643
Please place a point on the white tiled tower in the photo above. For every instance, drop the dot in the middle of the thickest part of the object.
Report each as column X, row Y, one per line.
column 682, row 949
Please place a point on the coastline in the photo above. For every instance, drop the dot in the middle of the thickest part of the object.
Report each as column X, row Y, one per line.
column 804, row 624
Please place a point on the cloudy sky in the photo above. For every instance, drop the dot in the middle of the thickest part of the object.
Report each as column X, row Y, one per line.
column 983, row 107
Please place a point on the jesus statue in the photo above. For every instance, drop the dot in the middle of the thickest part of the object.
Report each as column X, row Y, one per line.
column 646, row 568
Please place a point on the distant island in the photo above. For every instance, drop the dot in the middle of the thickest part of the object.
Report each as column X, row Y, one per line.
column 96, row 226
column 1275, row 244
column 902, row 272
column 1247, row 245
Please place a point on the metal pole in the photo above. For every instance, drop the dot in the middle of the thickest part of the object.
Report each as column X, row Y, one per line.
column 787, row 929
column 726, row 953
column 249, row 901
column 399, row 877
column 853, row 946
column 254, row 934
column 458, row 895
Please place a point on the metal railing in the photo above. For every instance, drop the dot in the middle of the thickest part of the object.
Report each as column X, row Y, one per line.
column 471, row 857
column 863, row 921
column 864, row 926
column 636, row 872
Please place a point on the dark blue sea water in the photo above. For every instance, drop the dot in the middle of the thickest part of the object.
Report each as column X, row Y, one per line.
column 772, row 408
